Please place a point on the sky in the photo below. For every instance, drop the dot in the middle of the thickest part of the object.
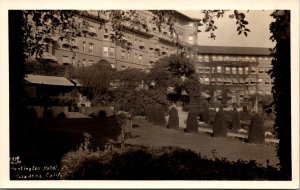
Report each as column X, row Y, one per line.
column 227, row 35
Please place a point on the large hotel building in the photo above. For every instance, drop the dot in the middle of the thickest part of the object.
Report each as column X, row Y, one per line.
column 241, row 70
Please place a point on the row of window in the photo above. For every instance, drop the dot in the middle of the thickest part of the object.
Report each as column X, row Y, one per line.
column 228, row 81
column 233, row 70
column 207, row 58
column 233, row 93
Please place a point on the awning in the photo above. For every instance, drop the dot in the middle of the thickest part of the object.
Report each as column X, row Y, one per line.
column 219, row 80
column 92, row 30
column 184, row 93
column 253, row 80
column 213, row 80
column 49, row 56
column 234, row 81
column 171, row 90
column 77, row 82
column 151, row 46
column 242, row 81
column 205, row 95
column 48, row 80
column 66, row 60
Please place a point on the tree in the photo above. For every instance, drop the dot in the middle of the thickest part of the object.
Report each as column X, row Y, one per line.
column 281, row 89
column 130, row 78
column 95, row 78
column 224, row 96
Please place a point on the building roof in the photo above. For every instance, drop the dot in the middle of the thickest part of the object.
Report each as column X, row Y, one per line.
column 229, row 50
column 180, row 13
column 48, row 80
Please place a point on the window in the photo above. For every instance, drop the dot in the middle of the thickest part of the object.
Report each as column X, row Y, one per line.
column 227, row 70
column 206, row 80
column 261, row 70
column 268, row 92
column 106, row 34
column 128, row 55
column 240, row 70
column 123, row 55
column 83, row 62
column 83, row 46
column 91, row 62
column 191, row 24
column 233, row 70
column 253, row 59
column 246, row 70
column 214, row 58
column 219, row 69
column 140, row 59
column 135, row 57
column 91, row 48
column 260, row 81
column 220, row 58
column 105, row 51
column 191, row 39
column 206, row 58
column 111, row 51
column 200, row 58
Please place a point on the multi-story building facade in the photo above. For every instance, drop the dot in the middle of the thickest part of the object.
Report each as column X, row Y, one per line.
column 242, row 71
column 145, row 46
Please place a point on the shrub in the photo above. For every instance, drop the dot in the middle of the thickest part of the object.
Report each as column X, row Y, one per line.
column 30, row 115
column 102, row 114
column 206, row 114
column 49, row 114
column 166, row 163
column 61, row 115
column 173, row 118
column 236, row 123
column 256, row 130
column 220, row 124
column 191, row 122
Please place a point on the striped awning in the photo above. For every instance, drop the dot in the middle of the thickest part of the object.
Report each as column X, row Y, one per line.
column 48, row 80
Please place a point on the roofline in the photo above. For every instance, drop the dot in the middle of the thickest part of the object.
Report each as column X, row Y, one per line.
column 194, row 19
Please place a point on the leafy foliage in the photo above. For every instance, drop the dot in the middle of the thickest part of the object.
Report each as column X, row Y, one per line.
column 95, row 78
column 173, row 118
column 256, row 130
column 166, row 163
column 281, row 90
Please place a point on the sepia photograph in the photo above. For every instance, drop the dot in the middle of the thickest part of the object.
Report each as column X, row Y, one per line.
column 140, row 94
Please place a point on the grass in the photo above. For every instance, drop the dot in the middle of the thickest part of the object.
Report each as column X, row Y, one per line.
column 229, row 148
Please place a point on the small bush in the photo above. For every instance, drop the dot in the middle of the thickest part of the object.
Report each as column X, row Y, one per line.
column 30, row 115
column 236, row 123
column 102, row 114
column 61, row 115
column 192, row 123
column 220, row 124
column 173, row 118
column 256, row 130
column 49, row 114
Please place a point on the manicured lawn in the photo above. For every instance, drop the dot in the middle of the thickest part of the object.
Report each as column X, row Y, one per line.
column 230, row 148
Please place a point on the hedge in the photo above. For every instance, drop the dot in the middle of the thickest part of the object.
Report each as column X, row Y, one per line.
column 173, row 119
column 166, row 163
column 256, row 130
